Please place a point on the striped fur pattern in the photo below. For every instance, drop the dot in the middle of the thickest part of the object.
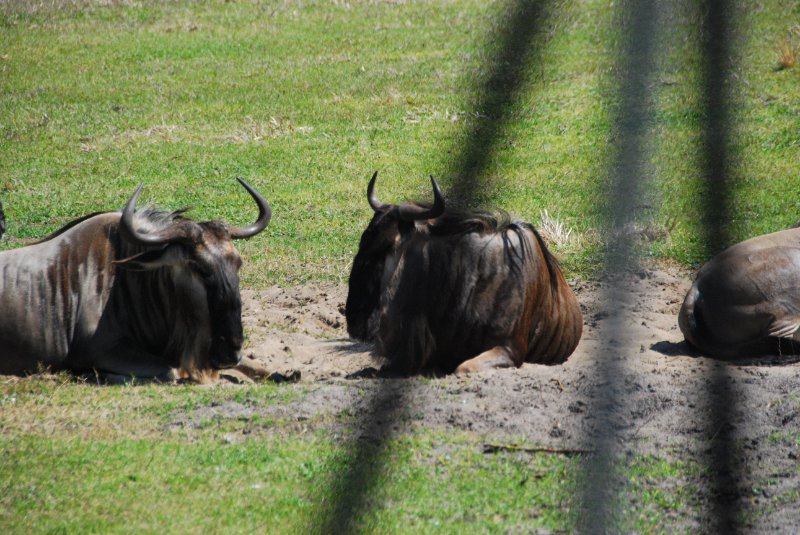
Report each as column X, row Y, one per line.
column 437, row 293
column 86, row 299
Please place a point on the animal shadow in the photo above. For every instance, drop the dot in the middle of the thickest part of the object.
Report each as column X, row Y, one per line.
column 683, row 349
column 672, row 349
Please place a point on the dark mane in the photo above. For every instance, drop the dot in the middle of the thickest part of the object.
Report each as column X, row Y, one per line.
column 157, row 219
column 68, row 226
column 458, row 222
column 480, row 221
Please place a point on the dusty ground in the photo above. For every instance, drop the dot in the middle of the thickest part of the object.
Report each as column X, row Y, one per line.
column 662, row 389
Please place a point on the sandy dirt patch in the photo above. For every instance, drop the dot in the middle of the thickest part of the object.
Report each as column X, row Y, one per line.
column 663, row 388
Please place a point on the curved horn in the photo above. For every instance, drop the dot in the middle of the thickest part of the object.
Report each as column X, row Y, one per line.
column 376, row 205
column 264, row 215
column 410, row 212
column 130, row 233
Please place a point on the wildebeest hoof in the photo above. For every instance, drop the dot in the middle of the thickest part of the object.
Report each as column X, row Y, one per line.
column 466, row 368
column 497, row 357
column 234, row 376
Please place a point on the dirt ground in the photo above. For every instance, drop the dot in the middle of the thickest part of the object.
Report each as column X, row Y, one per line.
column 662, row 390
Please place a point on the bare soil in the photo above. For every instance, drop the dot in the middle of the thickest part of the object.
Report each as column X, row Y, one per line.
column 660, row 391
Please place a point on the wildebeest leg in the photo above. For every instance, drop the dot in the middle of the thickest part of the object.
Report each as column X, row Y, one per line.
column 123, row 363
column 108, row 378
column 253, row 368
column 497, row 357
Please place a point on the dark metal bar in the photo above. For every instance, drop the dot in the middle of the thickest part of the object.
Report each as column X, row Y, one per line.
column 351, row 491
column 718, row 182
column 635, row 66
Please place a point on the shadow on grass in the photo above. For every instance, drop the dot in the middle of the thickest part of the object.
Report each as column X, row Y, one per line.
column 506, row 76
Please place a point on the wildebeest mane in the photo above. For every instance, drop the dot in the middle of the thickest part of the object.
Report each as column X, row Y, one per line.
column 71, row 224
column 160, row 219
column 463, row 222
column 154, row 218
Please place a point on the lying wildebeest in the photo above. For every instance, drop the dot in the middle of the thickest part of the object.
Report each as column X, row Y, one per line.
column 136, row 293
column 465, row 292
column 746, row 300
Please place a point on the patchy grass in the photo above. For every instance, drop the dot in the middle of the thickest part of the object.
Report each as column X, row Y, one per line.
column 306, row 99
column 108, row 459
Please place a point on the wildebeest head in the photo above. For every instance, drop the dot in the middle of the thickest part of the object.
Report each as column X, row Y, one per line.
column 201, row 262
column 390, row 226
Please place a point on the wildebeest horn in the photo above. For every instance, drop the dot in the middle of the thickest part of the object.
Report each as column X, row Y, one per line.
column 410, row 212
column 376, row 205
column 264, row 215
column 130, row 233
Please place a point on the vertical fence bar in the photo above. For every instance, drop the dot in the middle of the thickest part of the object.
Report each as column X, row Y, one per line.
column 506, row 74
column 635, row 66
column 718, row 183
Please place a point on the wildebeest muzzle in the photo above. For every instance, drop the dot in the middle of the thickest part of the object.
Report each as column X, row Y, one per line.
column 225, row 352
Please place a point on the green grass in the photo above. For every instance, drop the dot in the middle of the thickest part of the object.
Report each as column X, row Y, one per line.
column 306, row 99
column 82, row 458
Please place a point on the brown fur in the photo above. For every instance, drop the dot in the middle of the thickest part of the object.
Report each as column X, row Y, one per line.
column 745, row 302
column 85, row 299
column 436, row 293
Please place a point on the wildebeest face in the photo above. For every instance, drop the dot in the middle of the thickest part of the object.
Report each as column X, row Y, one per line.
column 205, row 264
column 378, row 241
column 216, row 263
column 390, row 226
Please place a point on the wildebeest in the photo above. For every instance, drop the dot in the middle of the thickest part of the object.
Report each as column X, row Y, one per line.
column 462, row 292
column 135, row 293
column 745, row 301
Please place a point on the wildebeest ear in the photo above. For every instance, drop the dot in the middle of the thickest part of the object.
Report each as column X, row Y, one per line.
column 152, row 259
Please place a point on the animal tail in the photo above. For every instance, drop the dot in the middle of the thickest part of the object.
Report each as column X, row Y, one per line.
column 696, row 331
column 688, row 320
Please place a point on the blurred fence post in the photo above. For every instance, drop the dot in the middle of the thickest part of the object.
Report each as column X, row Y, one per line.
column 635, row 65
column 718, row 183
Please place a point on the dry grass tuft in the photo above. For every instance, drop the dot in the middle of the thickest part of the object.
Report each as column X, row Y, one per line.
column 787, row 54
column 557, row 234
column 163, row 133
column 254, row 131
